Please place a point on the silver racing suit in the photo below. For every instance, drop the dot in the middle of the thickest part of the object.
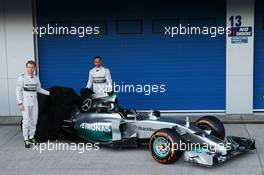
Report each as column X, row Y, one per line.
column 100, row 80
column 26, row 92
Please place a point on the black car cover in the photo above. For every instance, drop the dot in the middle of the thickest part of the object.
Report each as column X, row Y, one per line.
column 53, row 109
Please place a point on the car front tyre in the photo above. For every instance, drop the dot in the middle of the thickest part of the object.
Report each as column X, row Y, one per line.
column 164, row 146
column 211, row 123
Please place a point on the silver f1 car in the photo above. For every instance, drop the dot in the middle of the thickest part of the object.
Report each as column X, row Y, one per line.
column 202, row 142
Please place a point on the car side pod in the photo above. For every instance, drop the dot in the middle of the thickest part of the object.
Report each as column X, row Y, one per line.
column 237, row 146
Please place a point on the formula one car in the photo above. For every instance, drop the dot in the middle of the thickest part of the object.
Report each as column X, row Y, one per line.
column 201, row 142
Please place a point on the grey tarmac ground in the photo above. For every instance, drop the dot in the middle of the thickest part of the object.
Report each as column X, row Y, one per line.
column 15, row 159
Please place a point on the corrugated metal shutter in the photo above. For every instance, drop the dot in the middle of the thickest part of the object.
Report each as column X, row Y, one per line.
column 259, row 56
column 192, row 68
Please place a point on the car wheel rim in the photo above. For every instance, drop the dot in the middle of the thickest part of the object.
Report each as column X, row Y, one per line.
column 204, row 127
column 161, row 147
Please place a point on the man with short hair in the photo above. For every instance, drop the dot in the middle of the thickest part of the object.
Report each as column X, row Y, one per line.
column 99, row 78
column 26, row 91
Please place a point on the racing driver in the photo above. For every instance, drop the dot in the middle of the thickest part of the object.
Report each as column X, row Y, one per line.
column 26, row 91
column 99, row 78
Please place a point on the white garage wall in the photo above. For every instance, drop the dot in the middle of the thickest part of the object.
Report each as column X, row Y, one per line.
column 4, row 101
column 16, row 47
column 239, row 62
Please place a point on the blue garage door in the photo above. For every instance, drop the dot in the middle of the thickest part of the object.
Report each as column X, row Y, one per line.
column 150, row 70
column 259, row 57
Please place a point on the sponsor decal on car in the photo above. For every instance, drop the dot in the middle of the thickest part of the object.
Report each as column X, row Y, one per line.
column 146, row 129
column 101, row 127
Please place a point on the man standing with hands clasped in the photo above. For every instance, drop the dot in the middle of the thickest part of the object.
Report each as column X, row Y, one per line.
column 99, row 78
column 26, row 91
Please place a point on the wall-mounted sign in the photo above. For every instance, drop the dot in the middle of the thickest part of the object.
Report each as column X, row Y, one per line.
column 240, row 31
column 239, row 34
column 239, row 40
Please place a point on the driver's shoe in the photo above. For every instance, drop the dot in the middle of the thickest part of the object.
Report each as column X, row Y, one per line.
column 32, row 141
column 27, row 144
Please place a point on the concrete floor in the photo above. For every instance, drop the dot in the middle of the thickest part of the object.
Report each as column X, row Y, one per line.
column 15, row 159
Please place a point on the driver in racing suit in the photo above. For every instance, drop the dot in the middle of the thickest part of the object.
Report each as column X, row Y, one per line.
column 99, row 78
column 26, row 91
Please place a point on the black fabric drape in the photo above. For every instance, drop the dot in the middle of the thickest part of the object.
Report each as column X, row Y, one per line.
column 53, row 110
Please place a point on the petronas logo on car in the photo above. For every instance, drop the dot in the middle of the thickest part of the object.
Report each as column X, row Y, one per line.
column 102, row 127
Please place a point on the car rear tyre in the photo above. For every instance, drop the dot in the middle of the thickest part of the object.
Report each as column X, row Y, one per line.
column 211, row 123
column 164, row 144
